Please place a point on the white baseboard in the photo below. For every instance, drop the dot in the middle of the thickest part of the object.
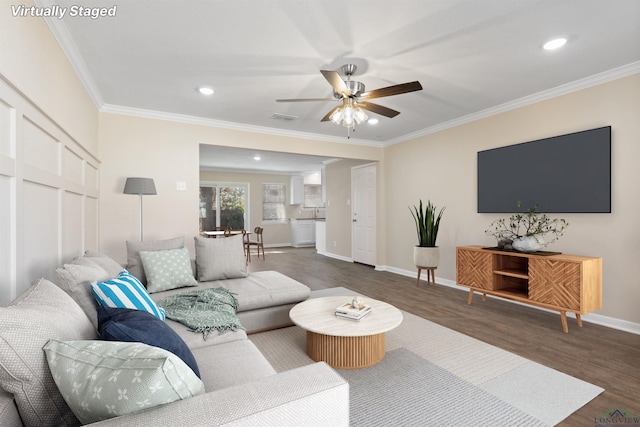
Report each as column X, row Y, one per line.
column 336, row 256
column 598, row 319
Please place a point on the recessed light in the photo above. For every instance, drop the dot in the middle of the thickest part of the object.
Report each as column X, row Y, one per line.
column 256, row 157
column 372, row 121
column 556, row 43
column 205, row 90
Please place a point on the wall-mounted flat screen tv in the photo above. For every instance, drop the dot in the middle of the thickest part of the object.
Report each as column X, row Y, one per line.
column 563, row 174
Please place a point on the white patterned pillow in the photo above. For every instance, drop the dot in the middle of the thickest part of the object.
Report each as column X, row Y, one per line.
column 126, row 291
column 169, row 269
column 106, row 379
column 134, row 263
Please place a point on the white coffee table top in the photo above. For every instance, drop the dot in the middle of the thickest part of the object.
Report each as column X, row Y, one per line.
column 318, row 315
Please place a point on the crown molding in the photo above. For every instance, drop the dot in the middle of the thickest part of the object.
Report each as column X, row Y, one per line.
column 585, row 83
column 183, row 118
column 69, row 48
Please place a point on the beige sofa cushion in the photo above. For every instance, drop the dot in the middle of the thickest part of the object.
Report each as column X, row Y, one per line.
column 231, row 364
column 221, row 258
column 107, row 263
column 75, row 279
column 258, row 290
column 40, row 313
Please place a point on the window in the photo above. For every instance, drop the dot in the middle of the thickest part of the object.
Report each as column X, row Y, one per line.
column 223, row 205
column 274, row 197
column 313, row 196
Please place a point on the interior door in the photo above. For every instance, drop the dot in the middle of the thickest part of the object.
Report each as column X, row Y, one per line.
column 363, row 185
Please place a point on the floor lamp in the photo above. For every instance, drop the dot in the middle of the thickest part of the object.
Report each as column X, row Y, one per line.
column 141, row 187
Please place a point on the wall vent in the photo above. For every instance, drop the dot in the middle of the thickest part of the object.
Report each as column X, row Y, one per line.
column 280, row 116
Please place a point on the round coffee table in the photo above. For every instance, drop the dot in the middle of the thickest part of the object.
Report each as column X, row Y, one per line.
column 345, row 343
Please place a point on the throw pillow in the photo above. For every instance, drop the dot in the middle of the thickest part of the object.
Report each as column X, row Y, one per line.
column 134, row 263
column 220, row 258
column 125, row 291
column 42, row 312
column 169, row 269
column 75, row 279
column 106, row 379
column 104, row 261
column 123, row 324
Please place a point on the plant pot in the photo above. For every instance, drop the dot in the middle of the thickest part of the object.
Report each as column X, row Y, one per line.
column 528, row 244
column 426, row 256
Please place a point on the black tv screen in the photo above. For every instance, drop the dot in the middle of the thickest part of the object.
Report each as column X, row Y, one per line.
column 563, row 174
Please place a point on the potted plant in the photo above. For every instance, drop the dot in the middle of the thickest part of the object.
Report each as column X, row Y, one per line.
column 524, row 232
column 426, row 253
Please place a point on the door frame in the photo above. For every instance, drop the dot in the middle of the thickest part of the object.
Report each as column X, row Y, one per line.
column 375, row 167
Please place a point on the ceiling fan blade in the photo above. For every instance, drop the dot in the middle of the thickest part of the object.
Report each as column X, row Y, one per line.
column 379, row 109
column 334, row 79
column 306, row 100
column 326, row 118
column 392, row 90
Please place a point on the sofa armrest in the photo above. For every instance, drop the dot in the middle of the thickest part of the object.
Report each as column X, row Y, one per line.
column 311, row 395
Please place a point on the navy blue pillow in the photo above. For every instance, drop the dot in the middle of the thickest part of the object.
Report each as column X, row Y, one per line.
column 124, row 324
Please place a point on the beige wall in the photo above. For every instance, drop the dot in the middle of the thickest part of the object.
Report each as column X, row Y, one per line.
column 32, row 60
column 49, row 173
column 169, row 152
column 442, row 167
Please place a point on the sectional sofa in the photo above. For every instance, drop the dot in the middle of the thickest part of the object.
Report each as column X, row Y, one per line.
column 49, row 338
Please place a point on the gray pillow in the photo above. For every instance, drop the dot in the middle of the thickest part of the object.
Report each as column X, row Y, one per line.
column 106, row 379
column 75, row 279
column 168, row 269
column 134, row 263
column 221, row 258
column 107, row 263
column 42, row 312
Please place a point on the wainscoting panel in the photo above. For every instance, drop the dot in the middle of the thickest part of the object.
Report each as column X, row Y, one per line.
column 39, row 233
column 49, row 194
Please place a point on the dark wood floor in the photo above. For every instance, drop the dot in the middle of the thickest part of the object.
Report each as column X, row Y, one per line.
column 603, row 356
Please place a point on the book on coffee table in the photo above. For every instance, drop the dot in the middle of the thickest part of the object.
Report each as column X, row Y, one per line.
column 347, row 311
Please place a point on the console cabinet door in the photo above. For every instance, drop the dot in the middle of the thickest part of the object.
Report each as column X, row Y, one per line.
column 474, row 269
column 555, row 282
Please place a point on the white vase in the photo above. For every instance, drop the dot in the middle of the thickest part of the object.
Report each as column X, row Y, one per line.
column 528, row 244
column 426, row 256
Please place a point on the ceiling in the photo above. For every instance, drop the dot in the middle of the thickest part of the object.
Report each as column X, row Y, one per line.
column 471, row 57
column 218, row 158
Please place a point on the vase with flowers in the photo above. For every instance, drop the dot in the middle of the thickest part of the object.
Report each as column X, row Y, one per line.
column 526, row 231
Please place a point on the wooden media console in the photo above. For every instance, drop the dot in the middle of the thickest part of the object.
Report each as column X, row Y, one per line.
column 564, row 283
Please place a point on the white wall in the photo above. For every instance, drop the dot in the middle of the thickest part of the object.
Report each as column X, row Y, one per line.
column 49, row 175
column 442, row 167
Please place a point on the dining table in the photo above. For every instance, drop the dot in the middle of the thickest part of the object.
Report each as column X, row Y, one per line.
column 220, row 233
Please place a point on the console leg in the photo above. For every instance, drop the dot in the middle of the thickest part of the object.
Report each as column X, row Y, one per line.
column 579, row 319
column 470, row 296
column 563, row 317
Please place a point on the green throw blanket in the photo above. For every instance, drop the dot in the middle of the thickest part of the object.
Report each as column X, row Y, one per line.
column 203, row 310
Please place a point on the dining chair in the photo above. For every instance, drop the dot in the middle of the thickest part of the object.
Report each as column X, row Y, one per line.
column 258, row 242
column 245, row 245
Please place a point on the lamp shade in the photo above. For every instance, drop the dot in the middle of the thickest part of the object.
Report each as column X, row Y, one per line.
column 142, row 186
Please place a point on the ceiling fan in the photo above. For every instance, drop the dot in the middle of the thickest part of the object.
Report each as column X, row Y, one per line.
column 355, row 99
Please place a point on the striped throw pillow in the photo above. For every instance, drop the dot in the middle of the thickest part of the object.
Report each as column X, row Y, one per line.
column 125, row 291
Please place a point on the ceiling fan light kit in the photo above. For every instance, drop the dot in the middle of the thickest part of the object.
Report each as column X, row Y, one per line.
column 352, row 94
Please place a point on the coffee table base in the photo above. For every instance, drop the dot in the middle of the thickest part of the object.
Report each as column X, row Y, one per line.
column 346, row 352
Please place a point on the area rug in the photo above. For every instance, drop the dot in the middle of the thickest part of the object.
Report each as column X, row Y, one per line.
column 434, row 376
